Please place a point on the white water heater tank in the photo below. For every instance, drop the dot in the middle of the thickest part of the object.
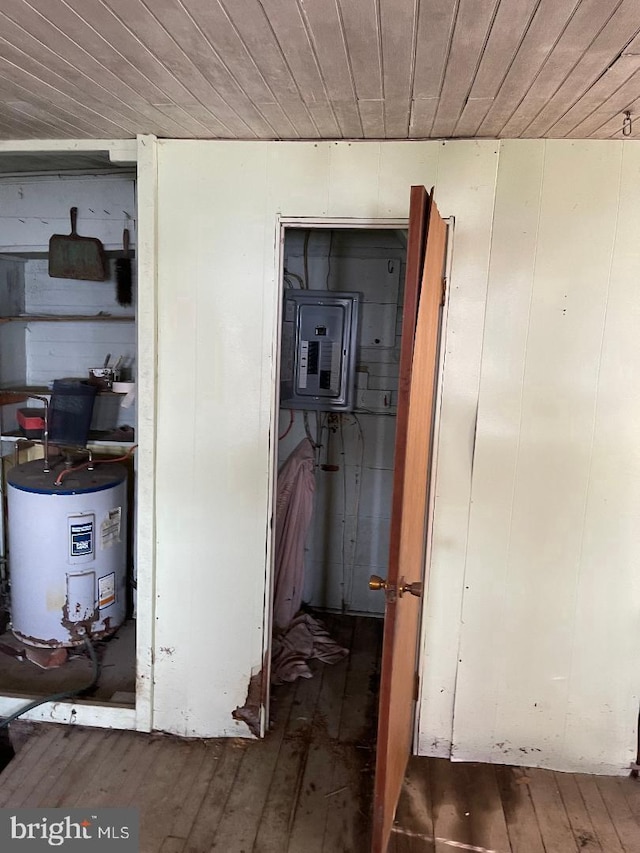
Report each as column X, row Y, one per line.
column 67, row 553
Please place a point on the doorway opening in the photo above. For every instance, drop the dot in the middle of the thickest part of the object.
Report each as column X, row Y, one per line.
column 338, row 383
column 341, row 327
column 348, row 536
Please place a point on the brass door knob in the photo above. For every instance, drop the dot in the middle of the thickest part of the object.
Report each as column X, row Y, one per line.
column 411, row 588
column 415, row 588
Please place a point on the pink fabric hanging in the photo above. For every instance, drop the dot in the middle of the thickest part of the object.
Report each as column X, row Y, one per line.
column 294, row 506
column 298, row 637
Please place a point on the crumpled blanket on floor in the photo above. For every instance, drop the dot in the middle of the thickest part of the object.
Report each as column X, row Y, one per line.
column 305, row 638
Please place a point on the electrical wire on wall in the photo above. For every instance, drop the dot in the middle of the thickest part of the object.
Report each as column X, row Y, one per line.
column 345, row 597
column 292, row 417
column 316, row 440
column 321, row 421
column 307, row 428
column 357, row 501
column 348, row 571
column 288, row 276
column 305, row 258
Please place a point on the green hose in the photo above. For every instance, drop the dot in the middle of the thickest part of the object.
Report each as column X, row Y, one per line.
column 58, row 697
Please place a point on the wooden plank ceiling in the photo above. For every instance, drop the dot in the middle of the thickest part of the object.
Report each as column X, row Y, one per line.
column 309, row 69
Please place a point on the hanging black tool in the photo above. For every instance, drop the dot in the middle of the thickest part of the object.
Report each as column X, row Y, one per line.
column 124, row 273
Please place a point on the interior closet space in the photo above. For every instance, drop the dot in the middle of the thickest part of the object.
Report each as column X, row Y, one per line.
column 53, row 327
column 59, row 330
column 348, row 536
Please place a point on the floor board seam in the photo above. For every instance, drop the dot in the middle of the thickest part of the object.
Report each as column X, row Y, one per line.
column 460, row 845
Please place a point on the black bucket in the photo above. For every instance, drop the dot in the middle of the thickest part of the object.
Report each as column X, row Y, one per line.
column 70, row 411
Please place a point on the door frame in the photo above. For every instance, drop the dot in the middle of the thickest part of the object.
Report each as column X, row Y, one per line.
column 281, row 225
column 431, row 506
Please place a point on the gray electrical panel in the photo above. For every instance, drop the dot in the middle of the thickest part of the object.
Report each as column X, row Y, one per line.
column 318, row 351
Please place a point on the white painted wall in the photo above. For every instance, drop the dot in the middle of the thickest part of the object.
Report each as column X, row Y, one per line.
column 56, row 350
column 218, row 298
column 547, row 665
column 35, row 207
column 531, row 621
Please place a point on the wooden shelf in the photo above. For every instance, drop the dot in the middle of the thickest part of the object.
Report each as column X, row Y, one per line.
column 19, row 394
column 69, row 318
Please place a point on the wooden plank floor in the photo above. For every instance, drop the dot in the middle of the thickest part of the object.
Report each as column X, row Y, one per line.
column 447, row 807
column 307, row 787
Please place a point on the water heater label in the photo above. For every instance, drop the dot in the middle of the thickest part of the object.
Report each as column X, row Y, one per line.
column 110, row 527
column 106, row 590
column 81, row 539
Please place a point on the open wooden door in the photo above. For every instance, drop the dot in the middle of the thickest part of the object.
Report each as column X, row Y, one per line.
column 412, row 469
